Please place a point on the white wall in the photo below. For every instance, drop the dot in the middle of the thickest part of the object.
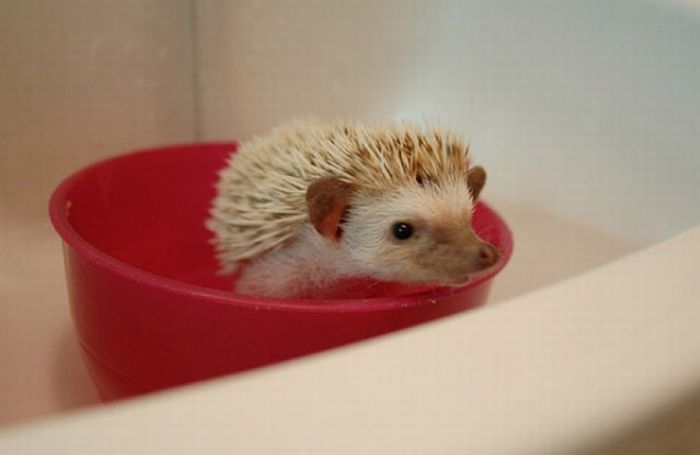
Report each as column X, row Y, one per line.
column 585, row 114
column 586, row 117
column 263, row 62
column 79, row 80
column 82, row 79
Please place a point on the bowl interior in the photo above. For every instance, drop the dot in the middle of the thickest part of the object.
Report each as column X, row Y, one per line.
column 147, row 210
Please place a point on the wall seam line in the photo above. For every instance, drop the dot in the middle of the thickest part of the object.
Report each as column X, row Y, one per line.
column 195, row 68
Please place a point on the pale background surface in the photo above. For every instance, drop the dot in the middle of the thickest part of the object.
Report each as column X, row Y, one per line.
column 81, row 80
column 519, row 378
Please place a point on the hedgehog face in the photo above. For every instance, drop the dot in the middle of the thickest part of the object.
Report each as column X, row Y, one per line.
column 419, row 233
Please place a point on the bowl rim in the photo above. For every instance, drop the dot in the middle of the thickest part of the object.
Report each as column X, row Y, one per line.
column 59, row 207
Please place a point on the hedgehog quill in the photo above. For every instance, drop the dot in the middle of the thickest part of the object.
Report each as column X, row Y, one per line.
column 314, row 204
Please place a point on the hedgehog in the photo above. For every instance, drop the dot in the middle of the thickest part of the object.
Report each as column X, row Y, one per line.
column 314, row 204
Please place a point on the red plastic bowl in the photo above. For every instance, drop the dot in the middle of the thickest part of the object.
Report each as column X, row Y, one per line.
column 149, row 308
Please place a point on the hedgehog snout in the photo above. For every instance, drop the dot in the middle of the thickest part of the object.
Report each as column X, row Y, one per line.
column 478, row 255
column 467, row 254
column 462, row 264
column 471, row 260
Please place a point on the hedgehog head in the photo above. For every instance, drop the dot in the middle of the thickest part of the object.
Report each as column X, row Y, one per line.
column 419, row 231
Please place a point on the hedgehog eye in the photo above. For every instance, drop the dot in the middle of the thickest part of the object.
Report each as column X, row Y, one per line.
column 402, row 231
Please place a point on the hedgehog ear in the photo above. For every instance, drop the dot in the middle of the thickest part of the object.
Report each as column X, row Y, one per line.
column 327, row 199
column 476, row 178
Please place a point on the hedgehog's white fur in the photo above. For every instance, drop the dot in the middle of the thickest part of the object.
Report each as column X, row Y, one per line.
column 261, row 200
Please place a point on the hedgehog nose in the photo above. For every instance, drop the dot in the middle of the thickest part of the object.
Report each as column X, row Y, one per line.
column 487, row 255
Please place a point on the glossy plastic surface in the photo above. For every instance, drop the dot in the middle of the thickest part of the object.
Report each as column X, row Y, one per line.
column 149, row 308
